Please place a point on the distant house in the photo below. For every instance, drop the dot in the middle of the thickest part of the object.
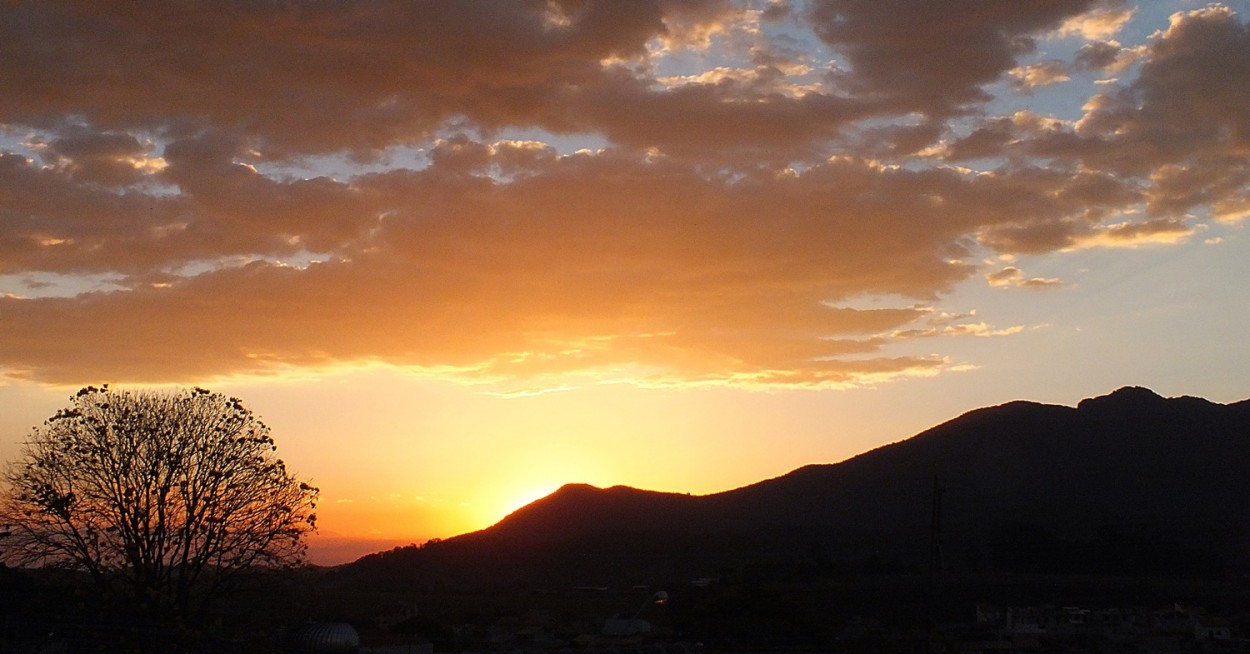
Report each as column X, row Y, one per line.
column 989, row 614
column 1208, row 628
column 625, row 627
column 1024, row 621
column 1013, row 646
column 1174, row 620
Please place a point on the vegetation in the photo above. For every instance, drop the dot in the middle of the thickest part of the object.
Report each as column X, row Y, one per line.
column 161, row 497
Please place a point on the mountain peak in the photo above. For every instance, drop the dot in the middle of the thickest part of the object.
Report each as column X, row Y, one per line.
column 576, row 488
column 1126, row 398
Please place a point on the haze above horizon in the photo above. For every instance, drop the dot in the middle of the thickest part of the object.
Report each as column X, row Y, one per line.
column 458, row 255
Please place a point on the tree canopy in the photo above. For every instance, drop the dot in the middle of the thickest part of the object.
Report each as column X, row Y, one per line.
column 162, row 496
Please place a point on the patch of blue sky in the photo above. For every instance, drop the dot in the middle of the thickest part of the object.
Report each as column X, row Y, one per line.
column 301, row 259
column 48, row 284
column 13, row 140
column 1063, row 99
column 1102, row 281
column 343, row 166
column 36, row 284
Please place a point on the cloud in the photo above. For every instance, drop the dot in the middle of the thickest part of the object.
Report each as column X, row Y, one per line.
column 945, row 325
column 1013, row 277
column 694, row 25
column 1107, row 56
column 595, row 263
column 1232, row 210
column 1099, row 23
column 1028, row 78
column 1128, row 235
column 109, row 159
column 507, row 261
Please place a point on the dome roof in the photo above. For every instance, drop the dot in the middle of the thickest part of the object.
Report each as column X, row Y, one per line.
column 323, row 638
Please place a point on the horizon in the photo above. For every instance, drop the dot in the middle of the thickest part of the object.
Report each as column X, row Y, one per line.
column 457, row 257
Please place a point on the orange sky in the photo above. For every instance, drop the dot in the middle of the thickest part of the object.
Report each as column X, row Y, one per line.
column 458, row 254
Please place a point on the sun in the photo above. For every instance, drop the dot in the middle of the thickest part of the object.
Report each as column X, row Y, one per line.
column 528, row 496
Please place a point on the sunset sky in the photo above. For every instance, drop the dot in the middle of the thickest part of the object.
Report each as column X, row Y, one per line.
column 457, row 254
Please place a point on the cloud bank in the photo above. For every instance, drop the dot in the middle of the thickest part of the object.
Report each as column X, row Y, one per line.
column 309, row 185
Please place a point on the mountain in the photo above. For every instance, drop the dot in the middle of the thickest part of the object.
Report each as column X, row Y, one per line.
column 1127, row 483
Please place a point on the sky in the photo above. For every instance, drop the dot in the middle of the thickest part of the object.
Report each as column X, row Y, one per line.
column 457, row 254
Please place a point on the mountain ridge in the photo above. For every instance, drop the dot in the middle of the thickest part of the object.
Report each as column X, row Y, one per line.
column 1129, row 480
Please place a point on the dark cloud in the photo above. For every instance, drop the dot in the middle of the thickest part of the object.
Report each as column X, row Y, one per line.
column 109, row 159
column 987, row 141
column 313, row 77
column 317, row 78
column 933, row 58
column 1099, row 55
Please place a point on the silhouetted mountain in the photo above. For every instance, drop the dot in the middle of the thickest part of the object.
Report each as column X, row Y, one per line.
column 1125, row 483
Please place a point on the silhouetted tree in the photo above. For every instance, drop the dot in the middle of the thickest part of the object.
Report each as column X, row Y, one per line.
column 161, row 496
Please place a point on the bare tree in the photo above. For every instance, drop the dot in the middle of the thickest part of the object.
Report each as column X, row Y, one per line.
column 163, row 496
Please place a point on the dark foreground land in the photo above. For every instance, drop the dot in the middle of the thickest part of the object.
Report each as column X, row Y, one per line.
column 748, row 610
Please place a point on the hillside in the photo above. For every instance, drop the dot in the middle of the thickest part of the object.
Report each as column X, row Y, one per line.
column 1125, row 483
